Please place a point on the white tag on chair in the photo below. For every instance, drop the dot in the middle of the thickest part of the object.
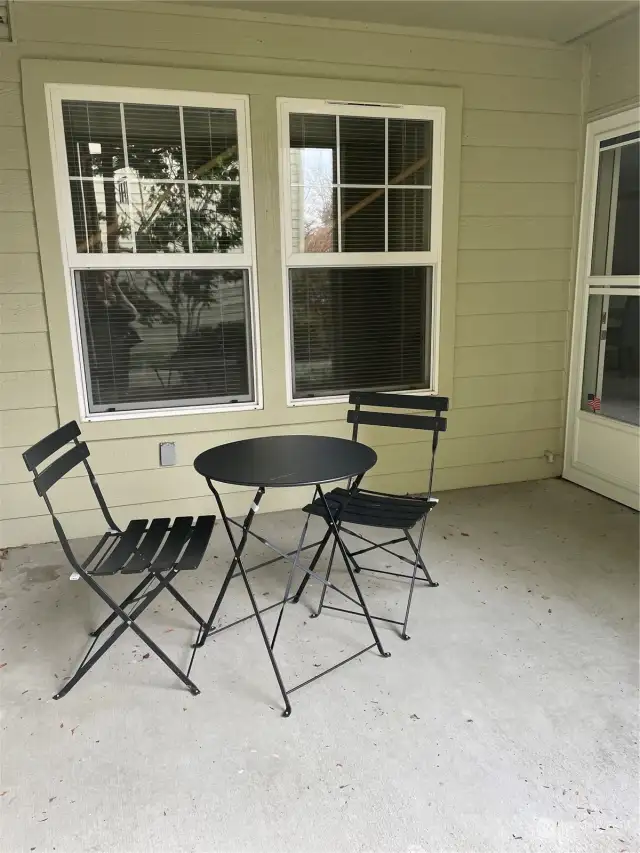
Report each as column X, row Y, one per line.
column 74, row 576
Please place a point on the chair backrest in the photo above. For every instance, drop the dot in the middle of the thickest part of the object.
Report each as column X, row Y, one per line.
column 435, row 423
column 55, row 469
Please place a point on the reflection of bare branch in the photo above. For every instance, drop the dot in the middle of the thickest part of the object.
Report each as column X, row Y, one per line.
column 114, row 226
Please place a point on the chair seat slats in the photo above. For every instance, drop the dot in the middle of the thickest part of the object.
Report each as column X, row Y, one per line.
column 148, row 548
column 127, row 543
column 174, row 544
column 200, row 536
column 373, row 510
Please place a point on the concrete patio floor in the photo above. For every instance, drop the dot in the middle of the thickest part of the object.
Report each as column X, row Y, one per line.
column 507, row 723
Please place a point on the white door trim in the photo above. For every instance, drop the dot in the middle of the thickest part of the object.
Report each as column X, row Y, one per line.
column 576, row 469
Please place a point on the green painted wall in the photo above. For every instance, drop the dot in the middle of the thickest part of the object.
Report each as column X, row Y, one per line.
column 510, row 202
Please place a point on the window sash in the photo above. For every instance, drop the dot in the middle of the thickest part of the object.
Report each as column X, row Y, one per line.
column 342, row 354
column 293, row 257
column 95, row 407
column 150, row 260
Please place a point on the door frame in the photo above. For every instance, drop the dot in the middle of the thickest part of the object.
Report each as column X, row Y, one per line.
column 575, row 469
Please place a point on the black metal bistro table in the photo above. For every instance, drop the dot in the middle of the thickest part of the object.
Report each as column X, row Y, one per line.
column 282, row 462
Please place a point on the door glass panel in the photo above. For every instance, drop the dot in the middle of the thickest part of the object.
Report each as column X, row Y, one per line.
column 615, row 249
column 612, row 361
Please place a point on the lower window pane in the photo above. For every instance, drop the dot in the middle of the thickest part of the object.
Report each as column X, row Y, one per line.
column 360, row 327
column 165, row 338
column 612, row 358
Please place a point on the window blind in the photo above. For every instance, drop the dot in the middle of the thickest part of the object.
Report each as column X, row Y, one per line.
column 158, row 187
column 359, row 327
column 151, row 178
column 165, row 338
column 360, row 184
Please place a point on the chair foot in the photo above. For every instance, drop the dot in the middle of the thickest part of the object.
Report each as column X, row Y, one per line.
column 405, row 636
column 57, row 696
column 286, row 712
column 194, row 690
column 314, row 616
column 434, row 583
column 386, row 654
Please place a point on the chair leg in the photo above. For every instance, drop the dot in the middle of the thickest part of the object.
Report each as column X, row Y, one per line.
column 111, row 618
column 421, row 563
column 348, row 560
column 416, row 562
column 325, row 586
column 128, row 621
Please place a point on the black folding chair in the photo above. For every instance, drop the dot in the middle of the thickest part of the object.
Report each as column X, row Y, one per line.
column 377, row 509
column 159, row 548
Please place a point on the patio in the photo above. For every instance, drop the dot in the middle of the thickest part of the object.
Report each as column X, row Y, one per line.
column 506, row 723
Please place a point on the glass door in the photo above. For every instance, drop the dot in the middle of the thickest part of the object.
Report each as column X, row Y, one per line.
column 603, row 437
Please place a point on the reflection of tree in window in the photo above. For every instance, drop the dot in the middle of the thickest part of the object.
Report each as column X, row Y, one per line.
column 158, row 334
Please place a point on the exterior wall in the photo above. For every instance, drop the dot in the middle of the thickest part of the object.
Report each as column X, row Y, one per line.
column 614, row 73
column 520, row 144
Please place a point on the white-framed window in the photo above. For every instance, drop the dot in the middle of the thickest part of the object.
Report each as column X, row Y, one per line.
column 361, row 195
column 154, row 195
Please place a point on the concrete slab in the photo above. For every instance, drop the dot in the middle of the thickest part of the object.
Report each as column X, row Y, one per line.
column 507, row 723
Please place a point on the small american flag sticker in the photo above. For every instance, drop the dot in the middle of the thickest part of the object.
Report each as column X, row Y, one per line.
column 593, row 402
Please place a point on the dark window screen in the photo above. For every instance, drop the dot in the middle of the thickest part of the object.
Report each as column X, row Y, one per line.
column 360, row 327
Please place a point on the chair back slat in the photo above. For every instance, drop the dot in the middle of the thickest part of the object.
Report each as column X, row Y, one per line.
column 50, row 444
column 383, row 400
column 59, row 467
column 396, row 419
column 77, row 454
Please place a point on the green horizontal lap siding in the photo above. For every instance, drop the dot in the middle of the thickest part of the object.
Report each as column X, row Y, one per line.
column 519, row 162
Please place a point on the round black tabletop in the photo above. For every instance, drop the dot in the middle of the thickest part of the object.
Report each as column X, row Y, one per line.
column 285, row 460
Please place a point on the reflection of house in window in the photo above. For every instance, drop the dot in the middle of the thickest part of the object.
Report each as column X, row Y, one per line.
column 123, row 194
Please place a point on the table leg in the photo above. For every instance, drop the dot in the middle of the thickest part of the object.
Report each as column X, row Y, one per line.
column 237, row 561
column 287, row 592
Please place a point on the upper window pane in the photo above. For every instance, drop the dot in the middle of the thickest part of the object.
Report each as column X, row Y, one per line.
column 215, row 218
column 359, row 184
column 362, row 154
column 93, row 137
column 313, row 149
column 211, row 140
column 410, row 146
column 153, row 178
column 154, row 142
column 615, row 248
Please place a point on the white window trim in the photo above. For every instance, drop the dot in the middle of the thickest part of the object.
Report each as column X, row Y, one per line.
column 432, row 258
column 55, row 94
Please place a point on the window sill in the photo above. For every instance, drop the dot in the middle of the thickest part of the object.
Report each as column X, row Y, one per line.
column 101, row 417
column 344, row 398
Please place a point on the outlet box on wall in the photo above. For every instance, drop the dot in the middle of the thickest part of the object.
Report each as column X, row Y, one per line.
column 167, row 453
